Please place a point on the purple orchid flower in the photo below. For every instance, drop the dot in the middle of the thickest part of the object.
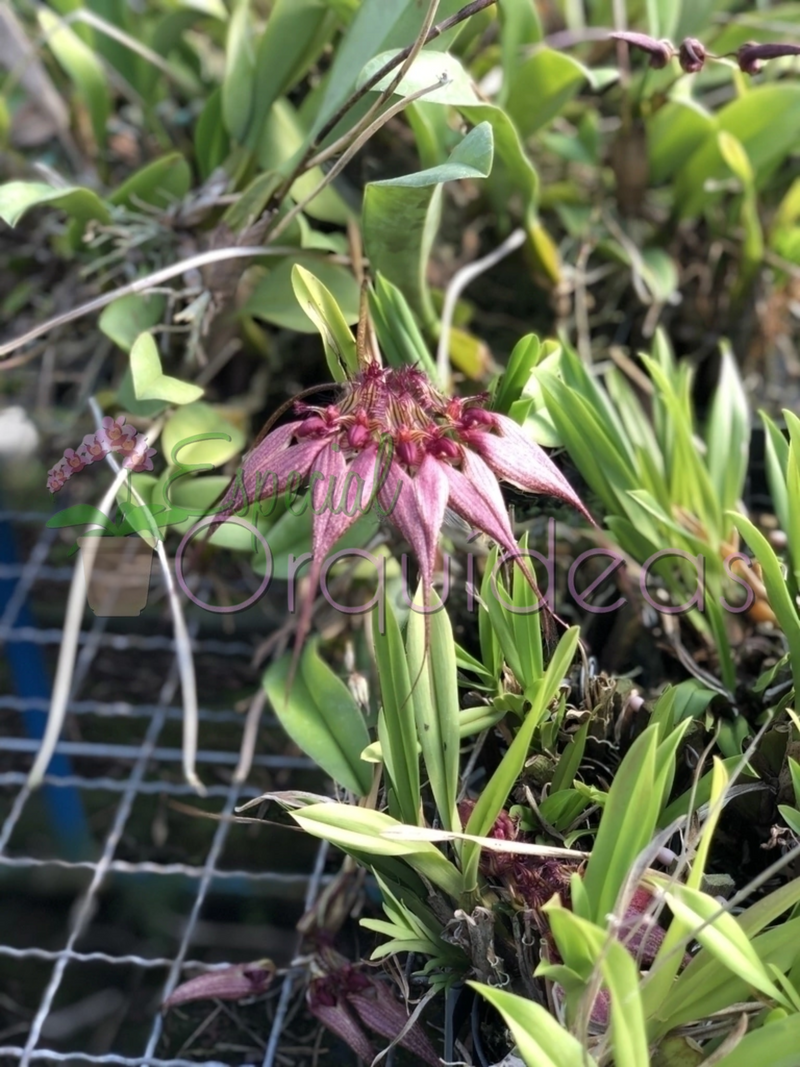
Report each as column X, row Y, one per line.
column 660, row 52
column 394, row 442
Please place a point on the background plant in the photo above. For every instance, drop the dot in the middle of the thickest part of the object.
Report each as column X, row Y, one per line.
column 212, row 190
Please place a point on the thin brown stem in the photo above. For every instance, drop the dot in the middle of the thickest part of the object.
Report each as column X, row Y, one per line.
column 435, row 31
column 355, row 147
column 342, row 142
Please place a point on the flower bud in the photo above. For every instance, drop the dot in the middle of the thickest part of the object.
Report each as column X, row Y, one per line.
column 660, row 52
column 692, row 55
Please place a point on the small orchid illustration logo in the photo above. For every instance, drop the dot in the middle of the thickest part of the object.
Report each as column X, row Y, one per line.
column 115, row 435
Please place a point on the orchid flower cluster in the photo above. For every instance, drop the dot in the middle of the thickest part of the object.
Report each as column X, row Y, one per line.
column 394, row 440
column 692, row 54
column 115, row 435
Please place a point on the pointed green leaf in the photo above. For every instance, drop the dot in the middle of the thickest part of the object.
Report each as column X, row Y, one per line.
column 436, row 711
column 320, row 305
column 83, row 67
column 541, row 1040
column 400, row 217
column 322, row 718
column 365, row 831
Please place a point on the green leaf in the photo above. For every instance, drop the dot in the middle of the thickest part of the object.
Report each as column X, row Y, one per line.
column 674, row 132
column 401, row 216
column 728, row 434
column 81, row 204
column 211, row 141
column 150, row 382
column 693, row 17
column 586, row 947
column 82, row 66
column 775, row 1044
column 526, row 622
column 273, row 298
column 792, row 528
column 707, row 986
column 396, row 725
column 238, row 86
column 750, row 119
column 199, row 436
column 780, row 599
column 296, row 32
column 399, row 336
column 162, row 183
column 281, row 137
column 436, row 710
column 520, row 26
column 570, row 761
column 321, row 307
column 541, row 1040
column 366, row 833
column 524, row 357
column 723, row 937
column 625, row 828
column 498, row 789
column 376, row 27
column 80, row 515
column 126, row 318
column 517, row 168
column 544, row 84
column 426, row 70
column 321, row 717
column 662, row 16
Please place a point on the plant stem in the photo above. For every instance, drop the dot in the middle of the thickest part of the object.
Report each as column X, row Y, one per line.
column 401, row 58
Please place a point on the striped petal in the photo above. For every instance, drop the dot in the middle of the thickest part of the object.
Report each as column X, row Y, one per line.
column 416, row 507
column 518, row 460
column 339, row 497
column 475, row 495
column 268, row 468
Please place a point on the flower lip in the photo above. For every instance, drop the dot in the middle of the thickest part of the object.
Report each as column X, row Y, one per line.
column 442, row 447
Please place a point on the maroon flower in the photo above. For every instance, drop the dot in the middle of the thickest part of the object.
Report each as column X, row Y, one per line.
column 394, row 442
column 660, row 52
column 347, row 996
column 750, row 55
column 230, row 983
column 692, row 55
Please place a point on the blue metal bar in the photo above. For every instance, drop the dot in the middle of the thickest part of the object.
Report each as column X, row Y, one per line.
column 29, row 677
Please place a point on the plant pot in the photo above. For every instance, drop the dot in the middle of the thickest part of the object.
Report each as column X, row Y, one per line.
column 117, row 571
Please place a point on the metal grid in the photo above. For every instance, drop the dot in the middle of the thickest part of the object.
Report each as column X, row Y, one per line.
column 124, row 772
